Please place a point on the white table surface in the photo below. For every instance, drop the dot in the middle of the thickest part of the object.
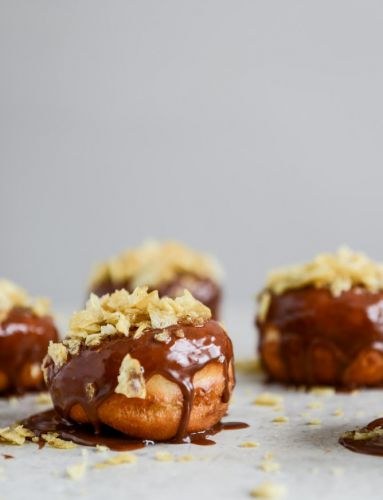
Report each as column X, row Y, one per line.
column 312, row 463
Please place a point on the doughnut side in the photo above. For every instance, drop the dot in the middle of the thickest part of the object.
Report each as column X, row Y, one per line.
column 24, row 339
column 309, row 336
column 165, row 384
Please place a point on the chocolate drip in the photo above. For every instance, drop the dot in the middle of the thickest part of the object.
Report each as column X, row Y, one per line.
column 24, row 339
column 373, row 446
column 50, row 421
column 203, row 289
column 177, row 360
column 318, row 337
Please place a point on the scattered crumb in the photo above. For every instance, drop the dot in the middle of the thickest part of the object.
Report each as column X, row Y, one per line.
column 338, row 412
column 268, row 399
column 13, row 401
column 249, row 444
column 15, row 434
column 76, row 471
column 268, row 490
column 248, row 366
column 185, row 458
column 164, row 456
column 122, row 458
column 43, row 398
column 337, row 471
column 52, row 439
column 268, row 465
column 281, row 419
column 101, row 448
column 305, row 414
column 314, row 421
column 322, row 391
column 315, row 405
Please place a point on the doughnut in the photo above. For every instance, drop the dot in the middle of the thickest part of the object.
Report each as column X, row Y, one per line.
column 149, row 367
column 26, row 328
column 321, row 323
column 167, row 267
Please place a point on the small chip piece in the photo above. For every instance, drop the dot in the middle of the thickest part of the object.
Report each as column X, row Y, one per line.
column 43, row 398
column 122, row 458
column 164, row 456
column 76, row 471
column 131, row 382
column 249, row 444
column 314, row 421
column 52, row 439
column 185, row 458
column 101, row 448
column 322, row 391
column 338, row 412
column 268, row 490
column 281, row 419
column 15, row 434
column 268, row 399
column 315, row 405
column 163, row 336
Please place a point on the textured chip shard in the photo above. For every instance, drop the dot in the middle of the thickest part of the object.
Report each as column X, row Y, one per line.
column 131, row 382
column 339, row 272
column 12, row 296
column 154, row 263
column 123, row 314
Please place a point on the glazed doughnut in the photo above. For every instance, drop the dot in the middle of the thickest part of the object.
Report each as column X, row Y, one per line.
column 167, row 267
column 322, row 322
column 25, row 331
column 152, row 368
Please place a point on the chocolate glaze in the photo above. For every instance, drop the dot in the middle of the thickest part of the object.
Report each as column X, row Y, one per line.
column 51, row 421
column 372, row 446
column 24, row 339
column 203, row 289
column 178, row 361
column 322, row 337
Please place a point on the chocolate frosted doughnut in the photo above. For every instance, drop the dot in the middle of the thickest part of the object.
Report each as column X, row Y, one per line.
column 168, row 267
column 148, row 367
column 25, row 332
column 322, row 323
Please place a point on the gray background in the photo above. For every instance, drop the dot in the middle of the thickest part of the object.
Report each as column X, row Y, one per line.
column 251, row 129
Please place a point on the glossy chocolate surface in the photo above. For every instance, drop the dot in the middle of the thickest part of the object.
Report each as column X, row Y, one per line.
column 24, row 339
column 372, row 446
column 203, row 289
column 322, row 339
column 177, row 361
column 51, row 421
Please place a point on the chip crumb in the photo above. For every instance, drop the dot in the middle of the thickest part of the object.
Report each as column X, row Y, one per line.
column 268, row 490
column 164, row 456
column 281, row 419
column 338, row 412
column 101, row 448
column 76, row 471
column 15, row 434
column 322, row 391
column 185, row 458
column 337, row 471
column 13, row 401
column 52, row 439
column 315, row 405
column 122, row 458
column 269, row 466
column 268, row 399
column 249, row 444
column 314, row 421
column 43, row 398
column 163, row 336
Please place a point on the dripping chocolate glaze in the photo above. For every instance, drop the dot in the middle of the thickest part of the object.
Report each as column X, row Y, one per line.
column 177, row 360
column 51, row 421
column 24, row 339
column 205, row 290
column 372, row 446
column 321, row 335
